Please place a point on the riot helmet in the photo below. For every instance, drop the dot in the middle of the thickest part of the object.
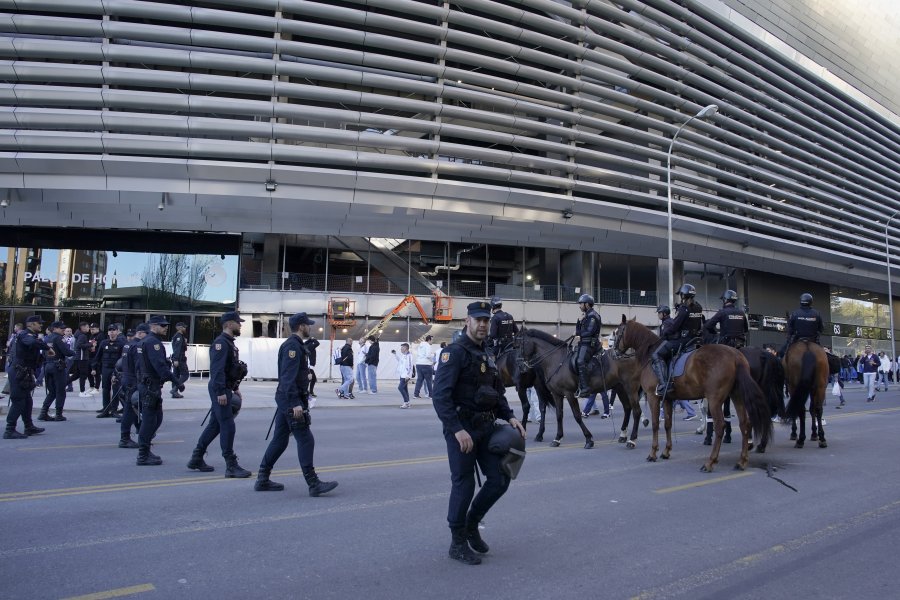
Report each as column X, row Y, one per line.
column 496, row 301
column 729, row 297
column 806, row 299
column 665, row 310
column 586, row 299
column 687, row 291
column 507, row 442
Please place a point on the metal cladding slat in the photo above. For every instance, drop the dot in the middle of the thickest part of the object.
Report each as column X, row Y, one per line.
column 573, row 101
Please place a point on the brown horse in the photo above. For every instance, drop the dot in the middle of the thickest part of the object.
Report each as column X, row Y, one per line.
column 806, row 371
column 715, row 372
column 514, row 373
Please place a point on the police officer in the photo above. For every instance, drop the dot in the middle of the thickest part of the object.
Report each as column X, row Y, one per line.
column 732, row 321
column 468, row 397
column 28, row 347
column 154, row 372
column 81, row 367
column 56, row 373
column 226, row 372
column 587, row 330
column 109, row 351
column 179, row 360
column 502, row 329
column 129, row 386
column 684, row 326
column 804, row 322
column 292, row 414
column 94, row 338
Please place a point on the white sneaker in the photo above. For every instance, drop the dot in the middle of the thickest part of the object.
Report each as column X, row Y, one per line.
column 84, row 394
column 94, row 391
column 404, row 405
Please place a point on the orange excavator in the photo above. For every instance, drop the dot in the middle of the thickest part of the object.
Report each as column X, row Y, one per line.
column 376, row 331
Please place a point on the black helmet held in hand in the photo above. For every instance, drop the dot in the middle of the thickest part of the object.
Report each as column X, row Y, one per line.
column 806, row 299
column 586, row 299
column 662, row 308
column 687, row 291
column 729, row 297
column 507, row 442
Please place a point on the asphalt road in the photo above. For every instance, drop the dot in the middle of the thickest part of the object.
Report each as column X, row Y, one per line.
column 78, row 518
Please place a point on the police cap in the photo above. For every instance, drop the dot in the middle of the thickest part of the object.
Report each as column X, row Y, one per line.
column 299, row 319
column 231, row 316
column 57, row 325
column 129, row 333
column 180, row 324
column 34, row 319
column 158, row 320
column 94, row 326
column 142, row 327
column 479, row 310
column 112, row 327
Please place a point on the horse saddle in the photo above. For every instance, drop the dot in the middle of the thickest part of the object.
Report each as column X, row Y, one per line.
column 593, row 361
column 680, row 361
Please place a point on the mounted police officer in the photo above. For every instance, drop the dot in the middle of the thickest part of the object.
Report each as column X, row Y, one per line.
column 502, row 329
column 292, row 414
column 56, row 373
column 683, row 327
column 226, row 372
column 468, row 397
column 179, row 360
column 129, row 371
column 804, row 322
column 154, row 372
column 28, row 347
column 109, row 351
column 587, row 330
column 732, row 321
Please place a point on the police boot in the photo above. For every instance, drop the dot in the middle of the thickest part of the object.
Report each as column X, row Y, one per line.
column 59, row 416
column 583, row 389
column 198, row 464
column 30, row 429
column 127, row 442
column 12, row 434
column 264, row 484
column 474, row 536
column 232, row 468
column 460, row 550
column 43, row 416
column 727, row 438
column 707, row 441
column 146, row 458
column 660, row 369
column 317, row 487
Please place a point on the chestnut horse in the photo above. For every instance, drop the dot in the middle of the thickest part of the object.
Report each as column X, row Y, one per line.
column 806, row 371
column 715, row 372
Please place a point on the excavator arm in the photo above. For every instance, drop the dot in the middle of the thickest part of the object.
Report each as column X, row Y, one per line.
column 375, row 331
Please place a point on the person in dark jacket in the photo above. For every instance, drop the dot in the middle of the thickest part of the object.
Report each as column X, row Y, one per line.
column 56, row 373
column 345, row 362
column 311, row 344
column 25, row 362
column 684, row 326
column 154, row 372
column 587, row 330
column 372, row 357
column 81, row 367
column 179, row 360
column 732, row 322
column 109, row 351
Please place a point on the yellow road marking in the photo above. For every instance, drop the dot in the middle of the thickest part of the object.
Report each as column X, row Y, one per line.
column 111, row 445
column 117, row 593
column 696, row 484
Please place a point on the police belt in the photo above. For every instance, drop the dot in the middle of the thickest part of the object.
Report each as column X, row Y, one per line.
column 474, row 417
column 588, row 340
column 150, row 382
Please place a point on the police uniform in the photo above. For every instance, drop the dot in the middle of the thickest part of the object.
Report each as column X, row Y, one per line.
column 469, row 395
column 733, row 326
column 502, row 330
column 56, row 374
column 588, row 331
column 154, row 372
column 805, row 322
column 81, row 366
column 129, row 374
column 179, row 355
column 683, row 327
column 109, row 352
column 27, row 358
column 225, row 375
column 293, row 369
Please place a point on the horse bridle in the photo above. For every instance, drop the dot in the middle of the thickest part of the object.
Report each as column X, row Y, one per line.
column 530, row 364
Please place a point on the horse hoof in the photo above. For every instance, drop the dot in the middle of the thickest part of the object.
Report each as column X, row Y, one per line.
column 645, row 422
column 630, row 445
column 539, row 438
column 623, row 439
column 814, row 437
column 651, row 459
column 823, row 444
column 750, row 447
column 589, row 444
column 798, row 445
column 738, row 467
column 761, row 450
column 554, row 444
column 706, row 469
column 664, row 456
column 793, row 436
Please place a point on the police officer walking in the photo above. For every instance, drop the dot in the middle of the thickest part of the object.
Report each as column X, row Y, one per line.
column 804, row 322
column 686, row 325
column 292, row 414
column 56, row 373
column 468, row 398
column 732, row 322
column 226, row 372
column 130, row 368
column 154, row 372
column 587, row 330
column 108, row 354
column 28, row 347
column 502, row 329
column 179, row 360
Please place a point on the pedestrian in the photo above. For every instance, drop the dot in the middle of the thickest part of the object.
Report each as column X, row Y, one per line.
column 27, row 348
column 424, row 367
column 372, row 357
column 869, row 363
column 109, row 351
column 94, row 374
column 311, row 344
column 404, row 372
column 179, row 360
column 226, row 371
column 292, row 415
column 345, row 362
column 69, row 340
column 883, row 369
column 56, row 373
column 468, row 398
column 81, row 366
column 361, row 371
column 131, row 412
column 154, row 372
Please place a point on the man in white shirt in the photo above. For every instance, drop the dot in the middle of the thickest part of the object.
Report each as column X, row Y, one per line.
column 404, row 371
column 424, row 367
column 361, row 367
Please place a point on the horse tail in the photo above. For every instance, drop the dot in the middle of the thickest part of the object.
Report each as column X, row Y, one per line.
column 805, row 385
column 754, row 403
column 772, row 383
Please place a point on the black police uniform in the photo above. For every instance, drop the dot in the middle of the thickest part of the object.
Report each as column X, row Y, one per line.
column 293, row 369
column 179, row 355
column 733, row 326
column 93, row 376
column 129, row 389
column 81, row 367
column 311, row 345
column 588, row 330
column 57, row 377
column 469, row 395
column 154, row 372
column 225, row 375
column 108, row 354
column 805, row 322
column 675, row 332
column 502, row 331
column 22, row 383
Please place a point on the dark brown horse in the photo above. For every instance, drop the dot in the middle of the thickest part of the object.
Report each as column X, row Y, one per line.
column 715, row 372
column 514, row 373
column 806, row 371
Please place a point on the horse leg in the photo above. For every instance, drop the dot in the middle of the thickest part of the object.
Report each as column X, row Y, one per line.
column 558, row 401
column 526, row 405
column 635, row 408
column 576, row 410
column 653, row 402
column 794, row 428
column 746, row 434
column 715, row 408
column 626, row 417
column 540, row 434
column 802, row 437
column 822, row 442
column 668, row 409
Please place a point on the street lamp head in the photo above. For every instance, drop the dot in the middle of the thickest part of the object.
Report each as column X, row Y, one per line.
column 708, row 111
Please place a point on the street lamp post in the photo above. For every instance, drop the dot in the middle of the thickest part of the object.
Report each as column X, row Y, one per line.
column 887, row 260
column 704, row 113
